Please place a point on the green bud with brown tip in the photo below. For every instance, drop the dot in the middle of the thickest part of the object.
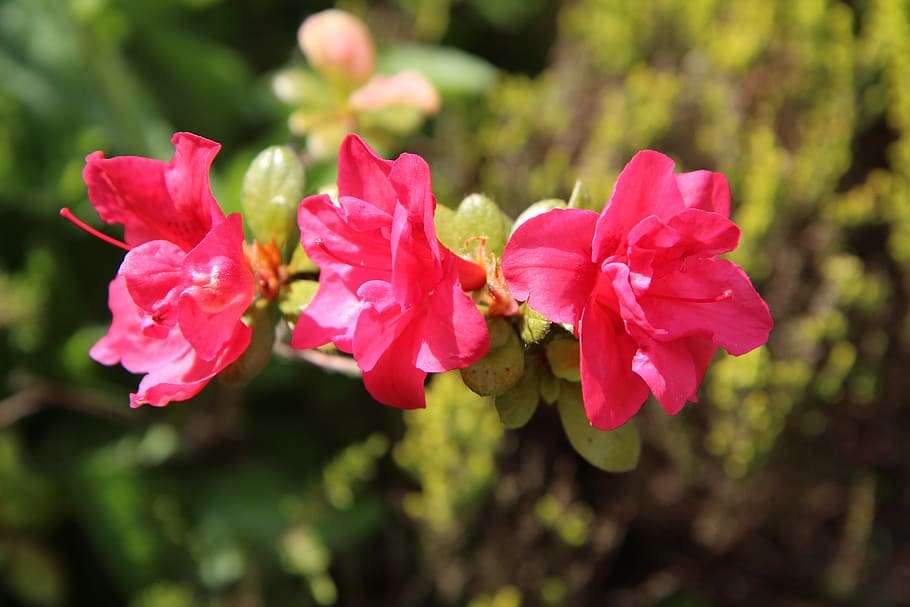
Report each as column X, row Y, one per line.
column 271, row 194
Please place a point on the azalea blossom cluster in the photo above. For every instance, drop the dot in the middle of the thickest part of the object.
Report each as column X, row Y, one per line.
column 638, row 287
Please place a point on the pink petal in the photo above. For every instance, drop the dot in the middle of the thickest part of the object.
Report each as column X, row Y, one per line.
column 408, row 88
column 691, row 233
column 329, row 317
column 710, row 298
column 218, row 288
column 348, row 236
column 547, row 262
column 363, row 174
column 126, row 342
column 155, row 200
column 184, row 376
column 154, row 279
column 612, row 392
column 393, row 381
column 645, row 187
column 453, row 332
column 669, row 371
column 705, row 190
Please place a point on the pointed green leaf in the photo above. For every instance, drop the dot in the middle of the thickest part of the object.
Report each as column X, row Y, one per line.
column 614, row 451
column 581, row 198
column 452, row 71
column 532, row 326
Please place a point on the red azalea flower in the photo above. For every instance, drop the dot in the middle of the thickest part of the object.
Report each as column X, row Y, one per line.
column 180, row 293
column 642, row 285
column 389, row 292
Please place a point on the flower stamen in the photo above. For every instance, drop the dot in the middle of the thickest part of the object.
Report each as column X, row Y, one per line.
column 66, row 213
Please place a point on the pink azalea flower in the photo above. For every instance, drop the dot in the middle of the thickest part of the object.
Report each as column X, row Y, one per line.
column 389, row 292
column 180, row 293
column 642, row 285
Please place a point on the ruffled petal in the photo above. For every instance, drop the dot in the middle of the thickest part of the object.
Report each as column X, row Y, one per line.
column 155, row 200
column 669, row 371
column 612, row 392
column 646, row 186
column 363, row 174
column 154, row 278
column 709, row 298
column 453, row 332
column 219, row 287
column 705, row 190
column 547, row 262
column 330, row 316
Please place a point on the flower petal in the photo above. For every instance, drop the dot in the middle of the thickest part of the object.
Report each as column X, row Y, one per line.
column 669, row 371
column 645, row 187
column 454, row 333
column 363, row 174
column 547, row 262
column 155, row 200
column 612, row 392
column 330, row 316
column 705, row 190
column 710, row 298
column 154, row 278
column 219, row 287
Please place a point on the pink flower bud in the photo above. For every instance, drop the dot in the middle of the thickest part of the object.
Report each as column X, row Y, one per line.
column 338, row 44
column 408, row 88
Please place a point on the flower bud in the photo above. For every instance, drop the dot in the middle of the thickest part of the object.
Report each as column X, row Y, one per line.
column 538, row 208
column 408, row 88
column 339, row 45
column 479, row 217
column 272, row 190
column 499, row 370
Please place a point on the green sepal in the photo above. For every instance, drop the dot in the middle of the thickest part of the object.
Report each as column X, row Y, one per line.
column 533, row 327
column 517, row 405
column 614, row 451
column 538, row 208
column 563, row 354
column 271, row 194
column 259, row 317
column 499, row 370
column 580, row 198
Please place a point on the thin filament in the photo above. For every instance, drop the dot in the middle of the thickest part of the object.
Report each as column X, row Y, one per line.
column 64, row 212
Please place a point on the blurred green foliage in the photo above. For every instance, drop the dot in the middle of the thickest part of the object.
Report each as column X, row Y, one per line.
column 786, row 484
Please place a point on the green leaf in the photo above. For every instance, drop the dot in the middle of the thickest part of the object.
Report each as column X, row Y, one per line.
column 452, row 71
column 614, row 451
column 517, row 405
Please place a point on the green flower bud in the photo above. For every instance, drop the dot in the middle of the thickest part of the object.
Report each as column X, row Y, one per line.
column 581, row 198
column 499, row 370
column 447, row 228
column 564, row 357
column 538, row 208
column 260, row 318
column 517, row 404
column 500, row 332
column 272, row 190
column 478, row 216
column 614, row 451
column 533, row 326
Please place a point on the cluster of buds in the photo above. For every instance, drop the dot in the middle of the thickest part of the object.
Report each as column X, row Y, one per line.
column 340, row 92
